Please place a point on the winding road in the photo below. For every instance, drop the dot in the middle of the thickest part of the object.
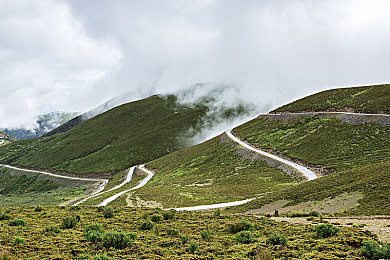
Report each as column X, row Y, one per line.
column 128, row 179
column 101, row 187
column 150, row 174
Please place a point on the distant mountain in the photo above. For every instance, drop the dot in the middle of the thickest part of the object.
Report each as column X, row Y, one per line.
column 44, row 124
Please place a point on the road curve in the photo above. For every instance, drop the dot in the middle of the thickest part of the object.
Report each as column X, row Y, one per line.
column 215, row 206
column 150, row 174
column 325, row 112
column 305, row 171
column 1, row 142
column 101, row 187
column 128, row 178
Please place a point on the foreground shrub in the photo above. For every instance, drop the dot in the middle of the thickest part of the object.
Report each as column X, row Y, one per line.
column 206, row 235
column 16, row 222
column 102, row 257
column 373, row 250
column 53, row 229
column 38, row 209
column 19, row 240
column 217, row 213
column 167, row 215
column 108, row 212
column 277, row 239
column 244, row 237
column 4, row 216
column 193, row 247
column 239, row 226
column 326, row 230
column 146, row 225
column 184, row 239
column 93, row 233
column 70, row 222
column 172, row 232
column 156, row 218
column 117, row 239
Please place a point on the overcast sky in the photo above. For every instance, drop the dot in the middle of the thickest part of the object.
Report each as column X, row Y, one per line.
column 74, row 55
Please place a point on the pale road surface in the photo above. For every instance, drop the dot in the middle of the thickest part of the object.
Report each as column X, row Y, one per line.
column 215, row 206
column 101, row 187
column 128, row 178
column 142, row 183
column 1, row 142
column 324, row 112
column 305, row 171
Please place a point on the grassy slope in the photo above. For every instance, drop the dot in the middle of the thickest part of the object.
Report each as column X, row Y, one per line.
column 6, row 137
column 222, row 174
column 359, row 154
column 157, row 244
column 130, row 134
column 360, row 99
column 27, row 189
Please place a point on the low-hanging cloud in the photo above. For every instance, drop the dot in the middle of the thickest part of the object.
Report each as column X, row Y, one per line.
column 73, row 55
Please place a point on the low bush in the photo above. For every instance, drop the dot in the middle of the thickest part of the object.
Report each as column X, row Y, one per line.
column 132, row 235
column 244, row 237
column 184, row 239
column 326, row 230
column 52, row 228
column 193, row 247
column 373, row 250
column 108, row 212
column 206, row 235
column 277, row 239
column 117, row 239
column 83, row 257
column 16, row 222
column 70, row 222
column 217, row 212
column 4, row 216
column 146, row 225
column 19, row 240
column 102, row 257
column 172, row 232
column 93, row 233
column 239, row 226
column 38, row 209
column 167, row 215
column 156, row 218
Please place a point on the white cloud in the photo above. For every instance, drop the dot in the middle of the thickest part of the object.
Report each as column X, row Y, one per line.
column 73, row 55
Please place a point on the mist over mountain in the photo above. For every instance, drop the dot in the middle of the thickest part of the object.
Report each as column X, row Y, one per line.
column 41, row 126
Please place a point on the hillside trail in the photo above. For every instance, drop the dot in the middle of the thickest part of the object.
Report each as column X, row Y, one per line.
column 127, row 180
column 99, row 189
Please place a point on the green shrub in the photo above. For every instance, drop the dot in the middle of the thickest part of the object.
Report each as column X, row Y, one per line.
column 100, row 209
column 93, row 232
column 217, row 212
column 206, row 235
column 146, row 225
column 156, row 218
column 70, row 222
column 326, row 230
column 314, row 214
column 172, row 232
column 84, row 257
column 132, row 235
column 108, row 212
column 52, row 228
column 117, row 239
column 239, row 226
column 277, row 239
column 184, row 239
column 193, row 247
column 16, row 222
column 4, row 216
column 102, row 257
column 38, row 208
column 168, row 214
column 19, row 240
column 373, row 250
column 244, row 237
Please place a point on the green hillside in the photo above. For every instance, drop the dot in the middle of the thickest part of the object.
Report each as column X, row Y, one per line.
column 212, row 172
column 357, row 99
column 356, row 156
column 129, row 134
column 5, row 138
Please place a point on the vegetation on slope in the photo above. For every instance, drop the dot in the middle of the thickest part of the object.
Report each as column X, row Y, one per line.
column 127, row 135
column 357, row 99
column 208, row 173
column 6, row 138
column 359, row 154
column 88, row 232
column 18, row 188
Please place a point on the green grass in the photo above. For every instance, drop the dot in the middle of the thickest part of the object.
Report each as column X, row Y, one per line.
column 127, row 135
column 159, row 243
column 18, row 188
column 358, row 153
column 211, row 172
column 358, row 99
